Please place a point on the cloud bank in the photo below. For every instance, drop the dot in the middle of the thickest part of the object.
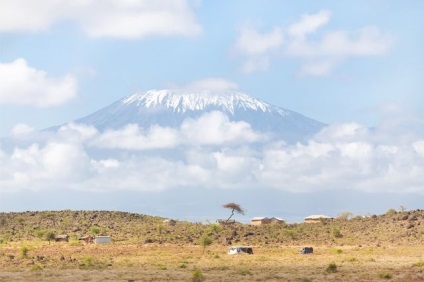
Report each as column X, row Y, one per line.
column 227, row 155
column 319, row 51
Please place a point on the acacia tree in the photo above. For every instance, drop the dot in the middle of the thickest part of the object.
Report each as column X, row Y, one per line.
column 234, row 208
column 50, row 236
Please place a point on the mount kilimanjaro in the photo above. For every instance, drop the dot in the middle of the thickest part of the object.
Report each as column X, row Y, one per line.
column 169, row 108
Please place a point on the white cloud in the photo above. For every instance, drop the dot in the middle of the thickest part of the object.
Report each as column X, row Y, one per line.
column 309, row 23
column 24, row 15
column 21, row 129
column 215, row 128
column 132, row 137
column 419, row 147
column 344, row 131
column 319, row 52
column 22, row 84
column 104, row 165
column 102, row 18
column 258, row 47
column 52, row 163
column 213, row 152
column 210, row 129
column 252, row 42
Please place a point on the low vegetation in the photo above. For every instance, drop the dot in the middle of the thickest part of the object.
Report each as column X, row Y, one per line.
column 379, row 247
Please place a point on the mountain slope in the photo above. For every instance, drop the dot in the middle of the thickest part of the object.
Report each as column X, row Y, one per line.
column 169, row 108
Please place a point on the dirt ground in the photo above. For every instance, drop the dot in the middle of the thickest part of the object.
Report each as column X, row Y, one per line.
column 29, row 261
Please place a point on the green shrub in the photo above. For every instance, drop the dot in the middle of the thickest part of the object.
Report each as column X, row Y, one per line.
column 215, row 228
column 95, row 230
column 50, row 236
column 39, row 233
column 336, row 232
column 197, row 276
column 331, row 268
column 418, row 264
column 91, row 263
column 88, row 262
column 24, row 252
column 36, row 268
column 205, row 241
column 338, row 251
column 383, row 275
column 390, row 212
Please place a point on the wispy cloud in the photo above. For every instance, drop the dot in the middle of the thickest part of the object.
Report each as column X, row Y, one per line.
column 319, row 52
column 102, row 18
column 25, row 85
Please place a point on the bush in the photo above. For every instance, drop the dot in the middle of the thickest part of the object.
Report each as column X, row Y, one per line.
column 390, row 212
column 205, row 241
column 338, row 251
column 331, row 268
column 95, row 230
column 215, row 228
column 36, row 268
column 336, row 232
column 24, row 252
column 418, row 264
column 197, row 276
column 39, row 233
column 383, row 275
column 50, row 236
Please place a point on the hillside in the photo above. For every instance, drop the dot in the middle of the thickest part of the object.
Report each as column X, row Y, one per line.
column 392, row 228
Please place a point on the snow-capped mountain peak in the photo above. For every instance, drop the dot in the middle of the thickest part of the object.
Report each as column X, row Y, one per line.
column 182, row 101
column 171, row 108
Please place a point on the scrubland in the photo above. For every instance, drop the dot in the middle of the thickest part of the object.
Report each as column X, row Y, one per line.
column 388, row 247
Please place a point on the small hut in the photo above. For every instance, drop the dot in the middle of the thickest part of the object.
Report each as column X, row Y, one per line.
column 62, row 238
column 102, row 240
column 277, row 220
column 260, row 221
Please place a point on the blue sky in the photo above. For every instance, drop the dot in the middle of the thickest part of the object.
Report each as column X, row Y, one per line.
column 336, row 84
column 351, row 64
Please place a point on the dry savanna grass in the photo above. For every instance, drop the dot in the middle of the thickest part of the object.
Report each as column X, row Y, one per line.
column 147, row 250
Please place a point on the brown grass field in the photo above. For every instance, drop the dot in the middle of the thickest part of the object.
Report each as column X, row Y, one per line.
column 388, row 247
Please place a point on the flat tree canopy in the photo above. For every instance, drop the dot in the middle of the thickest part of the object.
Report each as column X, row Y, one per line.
column 234, row 208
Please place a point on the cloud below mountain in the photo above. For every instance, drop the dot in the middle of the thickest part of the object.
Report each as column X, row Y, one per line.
column 228, row 156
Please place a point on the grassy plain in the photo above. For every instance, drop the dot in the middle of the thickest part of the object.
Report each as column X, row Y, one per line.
column 381, row 248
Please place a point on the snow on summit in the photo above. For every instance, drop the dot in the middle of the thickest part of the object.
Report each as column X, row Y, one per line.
column 181, row 101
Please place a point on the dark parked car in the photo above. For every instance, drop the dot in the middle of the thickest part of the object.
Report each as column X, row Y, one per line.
column 307, row 250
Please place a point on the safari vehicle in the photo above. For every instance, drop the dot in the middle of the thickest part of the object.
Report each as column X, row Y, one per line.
column 237, row 250
column 307, row 250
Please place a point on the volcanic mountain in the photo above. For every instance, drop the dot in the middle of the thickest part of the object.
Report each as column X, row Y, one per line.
column 169, row 108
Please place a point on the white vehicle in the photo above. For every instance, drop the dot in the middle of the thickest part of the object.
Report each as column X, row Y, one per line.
column 236, row 250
